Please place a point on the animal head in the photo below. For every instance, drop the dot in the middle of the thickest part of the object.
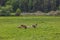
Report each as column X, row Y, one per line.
column 34, row 25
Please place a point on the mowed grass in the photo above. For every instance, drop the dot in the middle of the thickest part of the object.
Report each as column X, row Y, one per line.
column 48, row 28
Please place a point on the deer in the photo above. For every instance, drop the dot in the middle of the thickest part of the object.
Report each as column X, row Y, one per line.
column 23, row 26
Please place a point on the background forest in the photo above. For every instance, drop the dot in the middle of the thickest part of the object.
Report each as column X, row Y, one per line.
column 8, row 7
column 15, row 15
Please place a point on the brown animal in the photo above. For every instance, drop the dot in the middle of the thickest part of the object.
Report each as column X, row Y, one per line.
column 34, row 25
column 23, row 26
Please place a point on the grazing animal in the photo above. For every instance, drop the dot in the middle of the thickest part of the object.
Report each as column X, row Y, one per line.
column 34, row 25
column 23, row 26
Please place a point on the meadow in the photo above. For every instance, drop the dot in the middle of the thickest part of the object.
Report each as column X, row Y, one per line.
column 48, row 28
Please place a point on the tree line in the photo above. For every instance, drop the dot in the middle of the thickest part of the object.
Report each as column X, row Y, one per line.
column 16, row 6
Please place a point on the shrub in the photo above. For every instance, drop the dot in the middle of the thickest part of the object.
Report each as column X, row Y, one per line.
column 5, row 11
column 18, row 12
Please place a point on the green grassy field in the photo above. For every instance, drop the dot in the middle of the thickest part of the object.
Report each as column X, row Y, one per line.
column 48, row 28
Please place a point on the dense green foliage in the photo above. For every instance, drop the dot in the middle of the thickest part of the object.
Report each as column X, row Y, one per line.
column 48, row 28
column 5, row 11
column 32, row 5
column 18, row 11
